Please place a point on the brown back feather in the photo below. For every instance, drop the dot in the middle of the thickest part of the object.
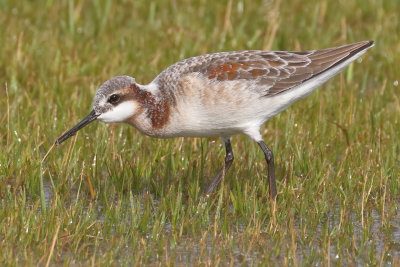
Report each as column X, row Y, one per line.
column 275, row 72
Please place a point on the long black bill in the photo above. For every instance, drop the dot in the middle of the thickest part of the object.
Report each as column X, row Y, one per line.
column 89, row 118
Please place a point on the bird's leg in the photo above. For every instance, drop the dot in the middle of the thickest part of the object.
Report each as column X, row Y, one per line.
column 228, row 162
column 269, row 157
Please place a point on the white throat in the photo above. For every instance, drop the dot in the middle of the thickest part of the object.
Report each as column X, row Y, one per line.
column 119, row 113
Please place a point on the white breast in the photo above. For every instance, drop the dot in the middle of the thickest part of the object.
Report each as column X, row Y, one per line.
column 208, row 109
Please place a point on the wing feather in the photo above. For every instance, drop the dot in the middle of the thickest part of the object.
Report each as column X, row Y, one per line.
column 275, row 72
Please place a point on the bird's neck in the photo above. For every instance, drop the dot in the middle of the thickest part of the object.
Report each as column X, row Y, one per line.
column 153, row 112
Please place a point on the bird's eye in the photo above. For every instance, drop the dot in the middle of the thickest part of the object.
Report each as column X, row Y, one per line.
column 113, row 99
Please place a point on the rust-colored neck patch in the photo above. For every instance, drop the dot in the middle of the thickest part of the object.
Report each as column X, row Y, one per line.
column 157, row 110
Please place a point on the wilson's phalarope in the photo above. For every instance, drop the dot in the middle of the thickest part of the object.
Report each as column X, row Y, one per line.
column 219, row 94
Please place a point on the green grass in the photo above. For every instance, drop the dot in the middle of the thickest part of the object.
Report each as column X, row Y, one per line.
column 113, row 196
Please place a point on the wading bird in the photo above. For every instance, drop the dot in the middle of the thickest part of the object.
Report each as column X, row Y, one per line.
column 220, row 94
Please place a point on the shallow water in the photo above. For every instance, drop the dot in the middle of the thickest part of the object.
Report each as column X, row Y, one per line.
column 188, row 249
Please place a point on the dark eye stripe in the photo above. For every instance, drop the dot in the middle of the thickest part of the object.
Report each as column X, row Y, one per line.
column 113, row 99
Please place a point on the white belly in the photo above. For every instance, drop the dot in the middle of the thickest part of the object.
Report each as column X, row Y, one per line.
column 216, row 109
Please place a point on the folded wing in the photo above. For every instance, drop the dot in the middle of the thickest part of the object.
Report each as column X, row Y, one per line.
column 274, row 72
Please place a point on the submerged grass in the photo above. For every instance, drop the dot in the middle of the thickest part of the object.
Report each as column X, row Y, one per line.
column 113, row 196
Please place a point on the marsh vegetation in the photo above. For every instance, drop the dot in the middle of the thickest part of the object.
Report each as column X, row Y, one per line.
column 113, row 196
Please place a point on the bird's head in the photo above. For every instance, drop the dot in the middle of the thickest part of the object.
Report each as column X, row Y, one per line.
column 115, row 101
